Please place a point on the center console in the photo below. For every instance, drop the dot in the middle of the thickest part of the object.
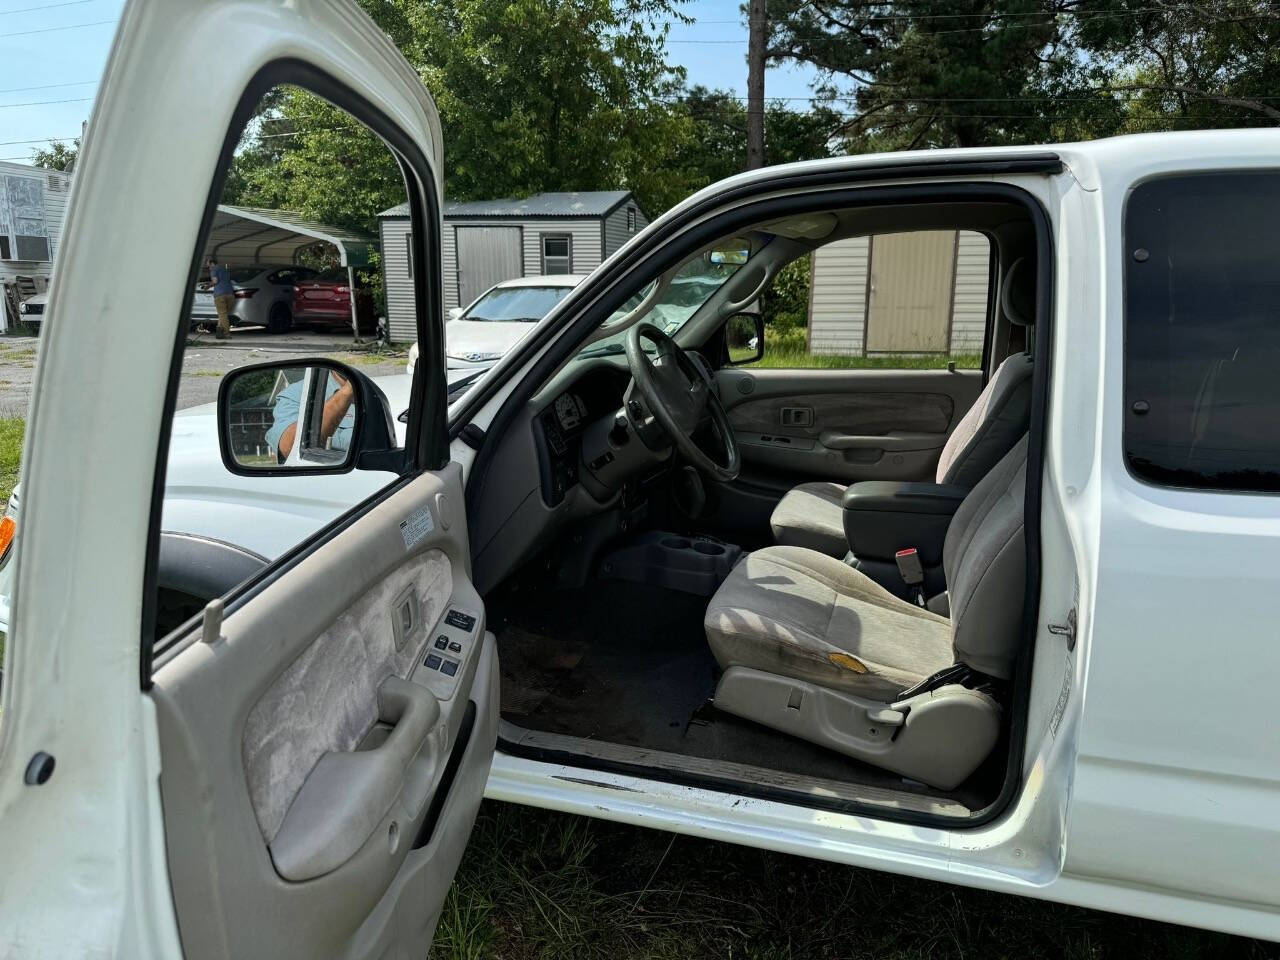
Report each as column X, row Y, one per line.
column 883, row 517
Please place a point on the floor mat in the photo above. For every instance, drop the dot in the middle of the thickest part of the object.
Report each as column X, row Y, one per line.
column 622, row 662
column 533, row 666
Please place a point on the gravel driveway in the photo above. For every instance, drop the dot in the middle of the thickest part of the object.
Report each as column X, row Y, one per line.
column 204, row 362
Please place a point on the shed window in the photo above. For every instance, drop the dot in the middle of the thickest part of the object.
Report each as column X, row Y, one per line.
column 1202, row 331
column 557, row 253
column 631, row 219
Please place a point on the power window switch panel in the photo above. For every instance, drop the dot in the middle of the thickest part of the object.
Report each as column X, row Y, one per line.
column 463, row 621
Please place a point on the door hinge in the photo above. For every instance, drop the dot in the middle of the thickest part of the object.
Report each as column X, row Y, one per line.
column 1067, row 629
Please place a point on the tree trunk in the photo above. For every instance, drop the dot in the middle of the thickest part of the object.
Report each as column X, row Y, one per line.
column 758, row 28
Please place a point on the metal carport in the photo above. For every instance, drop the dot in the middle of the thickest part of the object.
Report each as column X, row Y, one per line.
column 247, row 236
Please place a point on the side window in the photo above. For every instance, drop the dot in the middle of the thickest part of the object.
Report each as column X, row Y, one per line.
column 557, row 253
column 292, row 267
column 1202, row 332
column 889, row 301
column 408, row 255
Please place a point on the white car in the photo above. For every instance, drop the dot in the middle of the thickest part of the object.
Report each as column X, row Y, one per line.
column 32, row 309
column 1009, row 627
column 476, row 337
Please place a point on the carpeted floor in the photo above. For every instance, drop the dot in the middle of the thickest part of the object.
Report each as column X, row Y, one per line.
column 628, row 663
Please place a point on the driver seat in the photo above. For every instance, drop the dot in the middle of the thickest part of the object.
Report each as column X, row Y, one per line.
column 813, row 648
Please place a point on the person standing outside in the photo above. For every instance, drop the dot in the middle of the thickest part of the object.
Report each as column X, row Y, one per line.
column 224, row 294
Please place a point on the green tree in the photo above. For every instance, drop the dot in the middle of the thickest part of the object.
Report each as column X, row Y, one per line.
column 552, row 95
column 1175, row 65
column 58, row 156
column 718, row 148
column 937, row 73
column 533, row 95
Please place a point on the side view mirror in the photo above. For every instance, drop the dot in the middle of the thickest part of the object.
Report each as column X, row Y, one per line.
column 304, row 417
column 744, row 338
column 455, row 313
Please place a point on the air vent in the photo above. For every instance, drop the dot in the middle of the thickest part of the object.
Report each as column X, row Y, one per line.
column 56, row 183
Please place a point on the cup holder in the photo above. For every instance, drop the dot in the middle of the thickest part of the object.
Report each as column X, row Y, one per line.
column 709, row 549
column 676, row 543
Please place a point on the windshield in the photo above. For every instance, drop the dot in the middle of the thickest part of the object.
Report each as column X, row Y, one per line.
column 516, row 304
column 691, row 287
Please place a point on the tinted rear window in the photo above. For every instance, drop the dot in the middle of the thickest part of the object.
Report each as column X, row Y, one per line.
column 1202, row 332
column 244, row 274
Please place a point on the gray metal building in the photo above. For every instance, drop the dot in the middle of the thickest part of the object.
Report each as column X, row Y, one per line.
column 487, row 241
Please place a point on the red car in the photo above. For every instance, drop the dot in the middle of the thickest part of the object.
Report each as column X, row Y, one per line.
column 326, row 299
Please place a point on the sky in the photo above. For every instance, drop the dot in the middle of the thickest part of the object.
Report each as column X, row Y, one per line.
column 52, row 53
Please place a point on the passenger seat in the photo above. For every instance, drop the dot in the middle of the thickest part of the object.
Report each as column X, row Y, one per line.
column 811, row 515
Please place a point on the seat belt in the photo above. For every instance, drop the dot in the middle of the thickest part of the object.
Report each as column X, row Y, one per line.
column 912, row 572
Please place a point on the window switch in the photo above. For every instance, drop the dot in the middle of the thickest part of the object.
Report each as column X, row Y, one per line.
column 442, row 643
column 463, row 621
column 449, row 668
column 455, row 647
column 433, row 662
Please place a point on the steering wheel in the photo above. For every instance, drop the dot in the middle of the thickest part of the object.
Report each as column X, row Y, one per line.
column 678, row 393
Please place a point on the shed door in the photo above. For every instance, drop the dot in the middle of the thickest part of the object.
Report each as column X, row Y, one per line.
column 910, row 294
column 487, row 255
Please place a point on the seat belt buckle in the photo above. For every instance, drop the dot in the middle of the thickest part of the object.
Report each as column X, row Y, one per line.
column 911, row 571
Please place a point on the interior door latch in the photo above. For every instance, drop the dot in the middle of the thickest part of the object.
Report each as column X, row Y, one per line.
column 1067, row 629
column 796, row 416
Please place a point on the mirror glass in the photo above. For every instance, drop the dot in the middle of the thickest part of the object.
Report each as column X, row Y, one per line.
column 742, row 336
column 289, row 416
column 734, row 253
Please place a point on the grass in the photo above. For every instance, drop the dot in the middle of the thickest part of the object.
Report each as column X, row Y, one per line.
column 375, row 355
column 801, row 359
column 535, row 885
column 12, row 430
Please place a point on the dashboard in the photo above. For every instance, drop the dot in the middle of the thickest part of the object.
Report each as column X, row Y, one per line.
column 559, row 426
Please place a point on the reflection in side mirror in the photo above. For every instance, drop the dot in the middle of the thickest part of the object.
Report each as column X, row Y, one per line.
column 295, row 417
column 313, row 416
column 744, row 338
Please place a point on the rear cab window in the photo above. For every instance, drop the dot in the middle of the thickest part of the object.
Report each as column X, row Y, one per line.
column 1202, row 332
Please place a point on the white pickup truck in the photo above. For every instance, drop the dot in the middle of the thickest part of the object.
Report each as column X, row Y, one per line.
column 1009, row 625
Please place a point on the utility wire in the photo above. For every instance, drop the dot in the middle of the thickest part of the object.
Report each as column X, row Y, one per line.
column 46, row 6
column 49, row 86
column 67, row 26
column 41, row 103
column 10, row 143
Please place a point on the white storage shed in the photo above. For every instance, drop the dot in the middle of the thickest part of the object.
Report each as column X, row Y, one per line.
column 488, row 241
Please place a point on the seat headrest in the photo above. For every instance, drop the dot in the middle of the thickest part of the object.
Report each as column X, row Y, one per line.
column 1018, row 293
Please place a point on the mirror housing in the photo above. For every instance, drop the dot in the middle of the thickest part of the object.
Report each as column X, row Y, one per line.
column 304, row 417
column 454, row 313
column 743, row 338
